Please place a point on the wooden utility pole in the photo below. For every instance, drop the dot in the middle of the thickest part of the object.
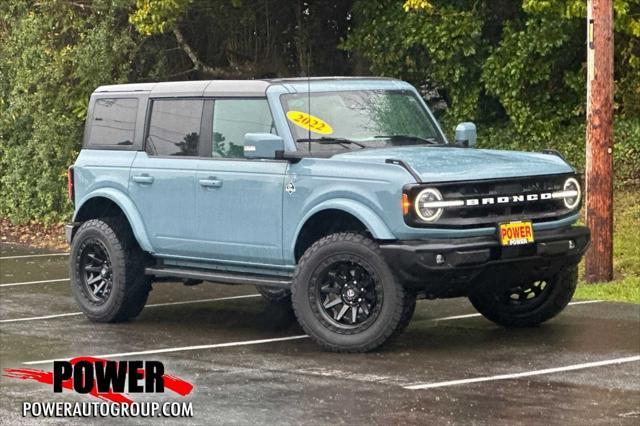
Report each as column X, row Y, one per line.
column 599, row 171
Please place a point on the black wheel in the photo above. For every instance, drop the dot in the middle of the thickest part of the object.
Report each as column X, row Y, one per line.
column 527, row 304
column 275, row 295
column 107, row 271
column 344, row 294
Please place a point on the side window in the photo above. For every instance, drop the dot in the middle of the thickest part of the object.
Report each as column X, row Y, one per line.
column 232, row 119
column 174, row 127
column 113, row 122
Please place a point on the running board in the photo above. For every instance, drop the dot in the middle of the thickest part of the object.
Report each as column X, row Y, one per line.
column 220, row 277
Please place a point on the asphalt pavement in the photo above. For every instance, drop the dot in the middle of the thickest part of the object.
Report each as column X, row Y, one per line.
column 251, row 363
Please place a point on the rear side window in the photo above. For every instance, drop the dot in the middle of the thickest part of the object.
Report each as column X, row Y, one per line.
column 113, row 123
column 174, row 127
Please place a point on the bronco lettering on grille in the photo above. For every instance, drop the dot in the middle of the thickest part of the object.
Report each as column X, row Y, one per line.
column 511, row 199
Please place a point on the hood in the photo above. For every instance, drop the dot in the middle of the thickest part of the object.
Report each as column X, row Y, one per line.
column 443, row 164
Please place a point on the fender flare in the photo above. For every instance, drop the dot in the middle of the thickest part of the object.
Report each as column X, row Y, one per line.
column 128, row 208
column 370, row 219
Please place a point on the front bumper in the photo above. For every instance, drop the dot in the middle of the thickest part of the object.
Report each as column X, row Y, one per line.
column 467, row 262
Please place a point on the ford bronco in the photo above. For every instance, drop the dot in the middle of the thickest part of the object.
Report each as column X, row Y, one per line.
column 340, row 196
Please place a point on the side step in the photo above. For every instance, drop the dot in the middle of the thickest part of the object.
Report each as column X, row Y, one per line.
column 220, row 277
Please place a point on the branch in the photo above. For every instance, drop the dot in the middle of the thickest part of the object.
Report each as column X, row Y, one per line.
column 215, row 72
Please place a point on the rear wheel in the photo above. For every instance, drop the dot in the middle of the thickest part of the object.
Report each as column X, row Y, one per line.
column 275, row 295
column 107, row 271
column 527, row 304
column 344, row 294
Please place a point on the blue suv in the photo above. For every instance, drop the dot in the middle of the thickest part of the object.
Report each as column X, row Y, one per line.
column 340, row 196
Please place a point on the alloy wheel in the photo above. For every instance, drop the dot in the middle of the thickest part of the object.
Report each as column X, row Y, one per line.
column 96, row 271
column 348, row 296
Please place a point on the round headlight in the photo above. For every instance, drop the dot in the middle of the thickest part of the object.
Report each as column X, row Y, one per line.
column 428, row 214
column 571, row 188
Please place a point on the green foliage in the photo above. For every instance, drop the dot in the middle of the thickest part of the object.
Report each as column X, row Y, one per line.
column 626, row 254
column 516, row 67
column 157, row 16
column 498, row 60
column 442, row 47
column 536, row 74
column 570, row 142
column 52, row 57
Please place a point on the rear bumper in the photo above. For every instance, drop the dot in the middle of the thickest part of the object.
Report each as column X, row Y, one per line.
column 466, row 262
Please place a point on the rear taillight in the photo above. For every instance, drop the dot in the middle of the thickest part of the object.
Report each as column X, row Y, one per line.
column 70, row 192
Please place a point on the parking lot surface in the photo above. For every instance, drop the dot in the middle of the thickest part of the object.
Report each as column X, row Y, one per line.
column 251, row 363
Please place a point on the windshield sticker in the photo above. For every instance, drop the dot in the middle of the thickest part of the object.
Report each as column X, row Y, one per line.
column 309, row 122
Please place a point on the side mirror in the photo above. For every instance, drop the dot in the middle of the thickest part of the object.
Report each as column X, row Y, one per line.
column 262, row 145
column 466, row 134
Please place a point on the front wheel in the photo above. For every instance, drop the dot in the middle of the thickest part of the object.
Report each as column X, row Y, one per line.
column 527, row 304
column 344, row 294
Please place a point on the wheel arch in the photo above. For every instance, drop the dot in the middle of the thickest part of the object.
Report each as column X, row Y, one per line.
column 337, row 215
column 109, row 202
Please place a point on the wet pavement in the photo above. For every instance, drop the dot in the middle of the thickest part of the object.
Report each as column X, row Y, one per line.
column 428, row 375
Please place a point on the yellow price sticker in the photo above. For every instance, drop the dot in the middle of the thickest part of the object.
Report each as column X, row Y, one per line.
column 309, row 122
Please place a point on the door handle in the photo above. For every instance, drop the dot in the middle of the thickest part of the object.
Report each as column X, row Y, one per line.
column 211, row 182
column 143, row 179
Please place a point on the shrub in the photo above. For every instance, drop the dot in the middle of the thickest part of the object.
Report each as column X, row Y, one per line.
column 570, row 141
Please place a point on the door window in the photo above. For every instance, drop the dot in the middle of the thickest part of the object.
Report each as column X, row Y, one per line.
column 174, row 127
column 232, row 119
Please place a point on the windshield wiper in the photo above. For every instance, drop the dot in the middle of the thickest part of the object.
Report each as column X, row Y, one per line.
column 330, row 140
column 396, row 138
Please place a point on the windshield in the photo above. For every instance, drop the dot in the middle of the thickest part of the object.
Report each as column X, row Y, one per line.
column 358, row 119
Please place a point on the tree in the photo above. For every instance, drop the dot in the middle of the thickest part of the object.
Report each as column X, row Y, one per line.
column 497, row 60
column 53, row 54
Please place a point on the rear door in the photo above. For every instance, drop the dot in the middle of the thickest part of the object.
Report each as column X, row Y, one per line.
column 162, row 179
column 239, row 201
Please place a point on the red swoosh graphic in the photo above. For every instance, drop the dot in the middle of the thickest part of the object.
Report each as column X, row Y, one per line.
column 172, row 383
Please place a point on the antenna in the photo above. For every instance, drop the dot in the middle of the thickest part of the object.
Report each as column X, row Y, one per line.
column 306, row 31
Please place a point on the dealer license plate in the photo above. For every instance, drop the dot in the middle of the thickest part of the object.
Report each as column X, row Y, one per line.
column 515, row 233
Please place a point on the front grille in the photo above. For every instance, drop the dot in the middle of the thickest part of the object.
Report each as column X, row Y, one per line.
column 467, row 216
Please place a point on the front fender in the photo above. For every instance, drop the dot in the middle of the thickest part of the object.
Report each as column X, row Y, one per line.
column 129, row 209
column 364, row 214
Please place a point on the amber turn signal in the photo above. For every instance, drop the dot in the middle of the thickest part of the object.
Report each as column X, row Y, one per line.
column 406, row 204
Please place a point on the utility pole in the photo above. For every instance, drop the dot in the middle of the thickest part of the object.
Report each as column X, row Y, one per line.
column 599, row 169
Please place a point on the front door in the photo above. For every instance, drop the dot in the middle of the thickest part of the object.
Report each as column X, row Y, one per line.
column 239, row 201
column 162, row 179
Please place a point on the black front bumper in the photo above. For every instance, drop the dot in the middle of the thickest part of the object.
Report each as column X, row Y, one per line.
column 453, row 267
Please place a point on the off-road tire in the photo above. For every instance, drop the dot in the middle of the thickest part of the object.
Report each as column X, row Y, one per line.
column 275, row 295
column 408, row 309
column 360, row 250
column 130, row 285
column 492, row 306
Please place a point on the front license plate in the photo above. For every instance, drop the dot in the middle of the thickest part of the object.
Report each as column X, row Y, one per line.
column 515, row 233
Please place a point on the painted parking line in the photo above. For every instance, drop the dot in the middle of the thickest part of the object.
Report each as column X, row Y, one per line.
column 152, row 305
column 25, row 256
column 232, row 344
column 186, row 302
column 35, row 282
column 457, row 317
column 524, row 373
column 181, row 349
